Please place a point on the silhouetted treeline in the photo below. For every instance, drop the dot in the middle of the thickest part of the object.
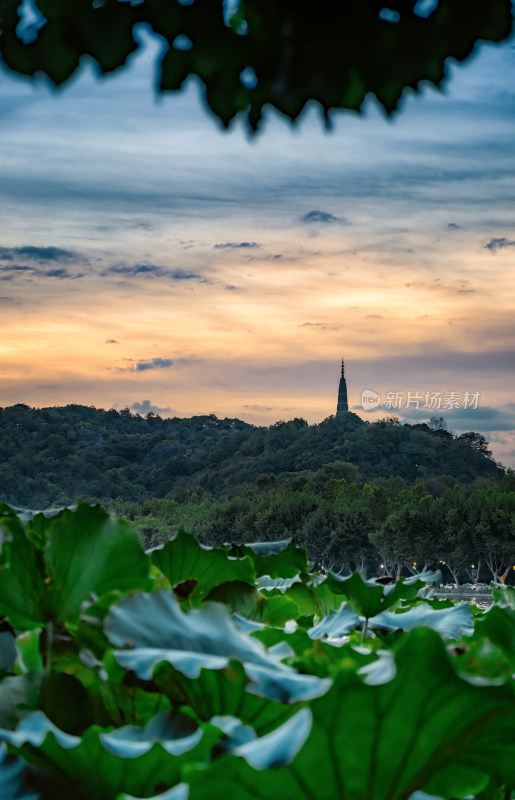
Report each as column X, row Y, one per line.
column 52, row 456
column 382, row 526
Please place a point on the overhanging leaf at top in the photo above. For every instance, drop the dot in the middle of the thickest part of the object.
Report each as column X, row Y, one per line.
column 277, row 53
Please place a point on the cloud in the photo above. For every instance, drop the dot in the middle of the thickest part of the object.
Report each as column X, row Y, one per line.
column 112, row 341
column 257, row 407
column 323, row 326
column 145, row 365
column 153, row 271
column 39, row 254
column 499, row 243
column 323, row 217
column 453, row 226
column 146, row 407
column 154, row 363
column 137, row 269
column 236, row 245
column 60, row 273
column 459, row 286
column 482, row 418
column 181, row 275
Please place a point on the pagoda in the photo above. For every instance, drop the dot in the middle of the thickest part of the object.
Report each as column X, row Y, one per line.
column 343, row 405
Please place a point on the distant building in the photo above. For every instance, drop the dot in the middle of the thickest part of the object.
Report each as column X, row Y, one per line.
column 343, row 405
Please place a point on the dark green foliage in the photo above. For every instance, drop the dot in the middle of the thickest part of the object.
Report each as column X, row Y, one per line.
column 371, row 527
column 51, row 566
column 52, row 456
column 335, row 54
column 327, row 486
column 176, row 702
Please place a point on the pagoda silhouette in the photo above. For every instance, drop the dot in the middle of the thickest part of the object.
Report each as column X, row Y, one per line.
column 343, row 405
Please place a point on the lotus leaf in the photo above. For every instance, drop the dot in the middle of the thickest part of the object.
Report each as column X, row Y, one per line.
column 451, row 623
column 425, row 729
column 184, row 559
column 13, row 775
column 94, row 773
column 157, row 630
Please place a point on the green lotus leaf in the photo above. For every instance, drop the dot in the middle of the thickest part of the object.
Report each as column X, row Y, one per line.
column 183, row 560
column 281, row 559
column 503, row 595
column 88, row 630
column 33, row 729
column 312, row 595
column 450, row 623
column 157, row 630
column 22, row 588
column 268, row 583
column 380, row 669
column 277, row 611
column 222, row 692
column 91, row 772
column 61, row 697
column 368, row 598
column 179, row 792
column 426, row 729
column 483, row 663
column 254, row 605
column 89, row 552
column 54, row 564
column 275, row 749
column 28, row 653
column 176, row 733
column 338, row 623
column 498, row 625
column 315, row 656
column 244, row 600
column 7, row 650
column 246, row 625
column 13, row 778
column 284, row 685
column 302, row 596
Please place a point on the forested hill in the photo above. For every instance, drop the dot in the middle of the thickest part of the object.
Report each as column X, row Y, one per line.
column 52, row 456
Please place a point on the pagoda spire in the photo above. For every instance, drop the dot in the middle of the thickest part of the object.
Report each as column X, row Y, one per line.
column 343, row 404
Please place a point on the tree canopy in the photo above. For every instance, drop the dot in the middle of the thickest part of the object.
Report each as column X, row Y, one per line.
column 256, row 53
column 51, row 456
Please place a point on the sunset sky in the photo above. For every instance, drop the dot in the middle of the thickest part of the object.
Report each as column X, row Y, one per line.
column 149, row 259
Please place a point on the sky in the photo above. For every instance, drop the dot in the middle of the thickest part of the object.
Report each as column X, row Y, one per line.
column 150, row 259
